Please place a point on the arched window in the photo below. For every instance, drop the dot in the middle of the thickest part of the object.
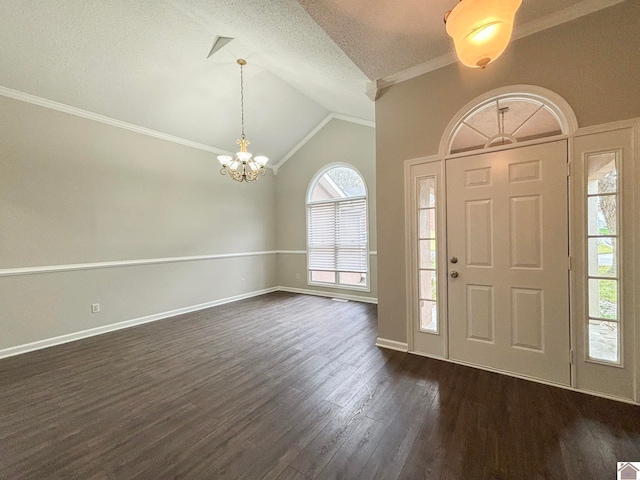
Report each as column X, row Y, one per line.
column 337, row 235
column 506, row 116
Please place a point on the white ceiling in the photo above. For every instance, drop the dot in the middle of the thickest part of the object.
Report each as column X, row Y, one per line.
column 145, row 61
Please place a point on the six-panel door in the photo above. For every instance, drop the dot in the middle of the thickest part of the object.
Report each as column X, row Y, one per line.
column 508, row 293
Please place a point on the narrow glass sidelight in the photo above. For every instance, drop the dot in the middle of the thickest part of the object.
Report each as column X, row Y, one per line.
column 427, row 266
column 603, row 255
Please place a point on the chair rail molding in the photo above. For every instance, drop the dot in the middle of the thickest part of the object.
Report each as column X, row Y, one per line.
column 11, row 272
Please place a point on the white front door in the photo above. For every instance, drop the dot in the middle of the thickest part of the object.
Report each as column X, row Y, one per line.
column 507, row 248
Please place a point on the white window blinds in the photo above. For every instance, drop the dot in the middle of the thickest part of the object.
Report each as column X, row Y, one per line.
column 337, row 236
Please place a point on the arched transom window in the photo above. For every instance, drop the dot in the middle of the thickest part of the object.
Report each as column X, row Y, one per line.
column 505, row 120
column 337, row 239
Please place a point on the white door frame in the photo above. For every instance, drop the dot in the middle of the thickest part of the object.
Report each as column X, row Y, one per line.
column 570, row 131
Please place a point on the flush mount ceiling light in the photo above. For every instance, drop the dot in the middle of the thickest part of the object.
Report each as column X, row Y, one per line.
column 245, row 167
column 481, row 29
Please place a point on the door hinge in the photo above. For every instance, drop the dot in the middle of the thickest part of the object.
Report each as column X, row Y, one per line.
column 569, row 262
column 568, row 169
column 571, row 357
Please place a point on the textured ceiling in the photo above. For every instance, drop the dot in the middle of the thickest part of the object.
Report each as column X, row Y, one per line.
column 145, row 61
column 384, row 37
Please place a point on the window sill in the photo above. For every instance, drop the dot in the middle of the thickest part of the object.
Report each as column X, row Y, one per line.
column 365, row 289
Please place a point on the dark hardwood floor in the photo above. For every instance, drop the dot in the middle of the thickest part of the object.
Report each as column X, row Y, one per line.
column 290, row 387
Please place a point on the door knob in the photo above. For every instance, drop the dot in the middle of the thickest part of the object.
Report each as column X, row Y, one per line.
column 454, row 274
column 454, row 259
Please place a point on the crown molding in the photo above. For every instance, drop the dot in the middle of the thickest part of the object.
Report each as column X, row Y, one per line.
column 417, row 70
column 568, row 14
column 302, row 142
column 356, row 120
column 372, row 91
column 316, row 129
column 78, row 112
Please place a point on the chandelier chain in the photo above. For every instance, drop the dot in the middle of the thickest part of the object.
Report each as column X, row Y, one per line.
column 244, row 167
column 242, row 99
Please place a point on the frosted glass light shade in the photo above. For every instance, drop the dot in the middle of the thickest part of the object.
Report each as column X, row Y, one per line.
column 481, row 29
column 224, row 159
column 243, row 156
column 261, row 160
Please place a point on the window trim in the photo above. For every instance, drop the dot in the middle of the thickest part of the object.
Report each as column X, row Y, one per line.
column 437, row 270
column 558, row 105
column 310, row 188
column 619, row 279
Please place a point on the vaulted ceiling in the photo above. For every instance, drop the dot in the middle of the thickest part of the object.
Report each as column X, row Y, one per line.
column 145, row 62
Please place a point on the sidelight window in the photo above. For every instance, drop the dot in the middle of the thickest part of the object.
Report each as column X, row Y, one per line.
column 603, row 252
column 427, row 273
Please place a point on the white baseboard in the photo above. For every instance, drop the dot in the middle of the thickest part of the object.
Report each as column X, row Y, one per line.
column 72, row 337
column 320, row 293
column 525, row 377
column 392, row 344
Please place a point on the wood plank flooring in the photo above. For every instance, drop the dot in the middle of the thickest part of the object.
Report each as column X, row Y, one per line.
column 290, row 387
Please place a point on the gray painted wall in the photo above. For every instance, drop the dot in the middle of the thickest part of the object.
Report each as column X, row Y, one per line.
column 75, row 191
column 592, row 62
column 337, row 141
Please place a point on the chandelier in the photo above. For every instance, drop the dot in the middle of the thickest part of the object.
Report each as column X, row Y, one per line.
column 481, row 29
column 244, row 167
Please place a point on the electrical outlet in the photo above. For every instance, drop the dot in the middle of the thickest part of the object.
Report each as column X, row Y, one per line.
column 95, row 308
column 243, row 282
column 297, row 276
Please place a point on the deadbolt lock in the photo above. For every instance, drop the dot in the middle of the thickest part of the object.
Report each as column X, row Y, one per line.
column 454, row 259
